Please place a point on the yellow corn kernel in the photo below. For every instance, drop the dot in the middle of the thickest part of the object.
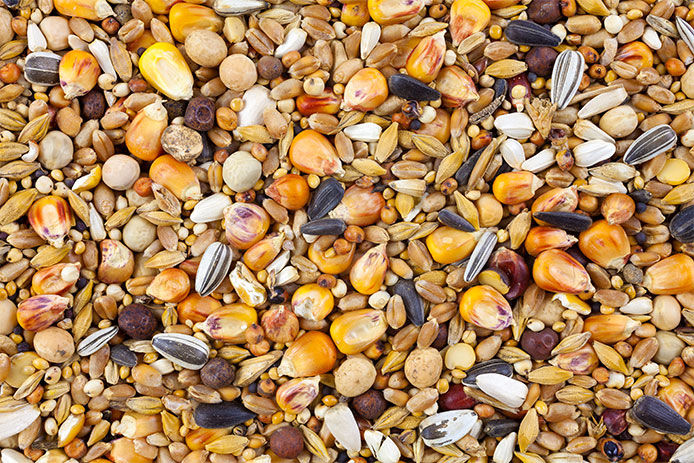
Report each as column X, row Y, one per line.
column 197, row 308
column 515, row 187
column 678, row 395
column 556, row 200
column 178, row 177
column 78, row 72
column 425, row 61
column 672, row 275
column 456, row 86
column 70, row 428
column 637, row 54
column 313, row 353
column 170, row 285
column 229, row 323
column 674, row 172
column 555, row 270
column 296, row 395
column 123, row 451
column 164, row 67
column 485, row 307
column 387, row 12
column 258, row 256
column 56, row 279
column 93, row 10
column 312, row 302
column 161, row 6
column 606, row 245
column 332, row 264
column 290, row 191
column 355, row 13
column 245, row 224
column 355, row 330
column 312, row 153
column 51, row 219
column 186, row 17
column 467, row 18
column 366, row 90
column 369, row 271
column 543, row 238
column 197, row 439
column 447, row 245
column 580, row 362
column 143, row 137
column 611, row 328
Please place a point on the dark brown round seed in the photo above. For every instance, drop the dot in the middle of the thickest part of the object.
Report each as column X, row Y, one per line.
column 217, row 373
column 287, row 442
column 370, row 404
column 540, row 60
column 539, row 344
column 270, row 67
column 544, row 11
column 200, row 114
column 137, row 321
column 93, row 105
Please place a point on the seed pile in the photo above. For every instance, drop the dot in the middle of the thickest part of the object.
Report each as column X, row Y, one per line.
column 238, row 231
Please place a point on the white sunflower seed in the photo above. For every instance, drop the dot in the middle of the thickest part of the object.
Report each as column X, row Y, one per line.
column 512, row 152
column 506, row 390
column 504, row 449
column 381, row 446
column 592, row 152
column 446, row 428
column 96, row 341
column 539, row 162
column 342, row 425
column 515, row 125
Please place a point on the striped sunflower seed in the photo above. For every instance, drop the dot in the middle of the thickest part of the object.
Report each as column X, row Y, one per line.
column 96, row 341
column 182, row 349
column 655, row 141
column 480, row 255
column 214, row 267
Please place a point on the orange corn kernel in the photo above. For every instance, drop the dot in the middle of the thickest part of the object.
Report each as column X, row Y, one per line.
column 117, row 262
column 425, row 61
column 515, row 187
column 313, row 353
column 672, row 275
column 359, row 206
column 170, row 285
column 56, row 279
column 617, row 208
column 178, row 177
column 78, row 73
column 280, row 324
column 678, row 395
column 356, row 330
column 39, row 312
column 439, row 128
column 163, row 66
column 637, row 54
column 312, row 153
column 197, row 439
column 355, row 13
column 543, row 238
column 606, row 245
column 610, row 328
column 331, row 263
column 290, row 191
column 145, row 41
column 245, row 224
column 197, row 308
column 93, row 10
column 386, row 12
column 555, row 270
column 229, row 323
column 135, row 425
column 51, row 219
column 498, row 4
column 259, row 256
column 456, row 86
column 143, row 137
column 365, row 91
column 123, row 451
column 297, row 394
column 485, row 307
column 447, row 245
column 580, row 362
column 312, row 302
column 186, row 17
column 326, row 103
column 369, row 271
column 161, row 6
column 556, row 200
column 467, row 18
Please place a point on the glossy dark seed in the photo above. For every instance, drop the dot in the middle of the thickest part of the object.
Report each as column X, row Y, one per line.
column 224, row 415
column 410, row 88
column 370, row 404
column 544, row 11
column 123, row 356
column 325, row 198
column 569, row 221
column 456, row 399
column 463, row 173
column 137, row 321
column 539, row 344
column 540, row 60
column 324, row 227
column 217, row 373
column 287, row 442
column 501, row 427
column 200, row 114
column 414, row 306
column 653, row 413
column 453, row 220
column 682, row 225
column 93, row 105
column 521, row 32
column 490, row 366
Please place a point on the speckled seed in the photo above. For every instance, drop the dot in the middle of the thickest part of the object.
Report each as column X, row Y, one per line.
column 120, row 172
column 205, row 47
column 355, row 376
column 137, row 321
column 217, row 373
column 423, row 367
column 54, row 344
column 139, row 233
column 55, row 150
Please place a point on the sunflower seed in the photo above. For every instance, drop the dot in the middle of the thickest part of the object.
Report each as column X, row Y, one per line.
column 504, row 449
column 603, row 102
column 683, row 454
column 539, row 162
column 508, row 391
column 446, row 428
column 522, row 32
column 686, row 32
column 414, row 306
column 410, row 88
column 121, row 355
column 512, row 152
column 182, row 349
column 453, row 220
column 682, row 225
column 324, row 227
column 515, row 125
column 653, row 413
column 224, row 415
column 238, row 7
column 480, row 255
column 325, row 198
column 16, row 416
column 569, row 221
column 214, row 267
column 341, row 423
column 490, row 366
column 41, row 68
column 588, row 131
column 566, row 77
column 96, row 341
column 500, row 428
column 589, row 153
column 649, row 145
